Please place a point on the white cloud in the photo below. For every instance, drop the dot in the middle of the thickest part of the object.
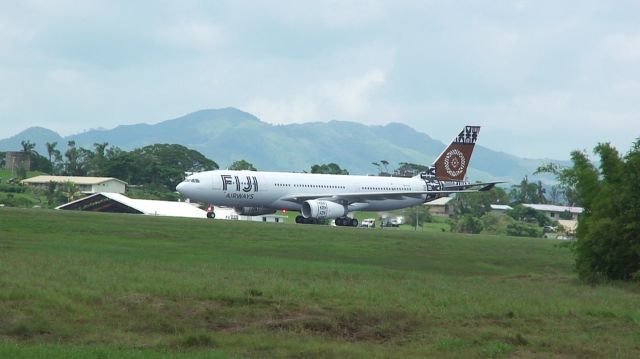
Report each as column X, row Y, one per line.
column 347, row 99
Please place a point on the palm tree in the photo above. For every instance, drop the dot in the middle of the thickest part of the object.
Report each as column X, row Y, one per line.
column 69, row 190
column 27, row 146
column 51, row 150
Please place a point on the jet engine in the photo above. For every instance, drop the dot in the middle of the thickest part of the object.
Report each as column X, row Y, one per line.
column 253, row 211
column 322, row 209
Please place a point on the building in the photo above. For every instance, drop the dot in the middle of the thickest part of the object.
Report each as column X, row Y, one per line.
column 557, row 212
column 440, row 207
column 270, row 218
column 86, row 185
column 500, row 209
column 117, row 203
column 567, row 217
column 14, row 160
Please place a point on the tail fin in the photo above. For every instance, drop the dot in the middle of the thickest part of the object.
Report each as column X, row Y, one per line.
column 452, row 164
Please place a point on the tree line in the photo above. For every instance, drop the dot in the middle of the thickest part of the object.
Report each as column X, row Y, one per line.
column 159, row 164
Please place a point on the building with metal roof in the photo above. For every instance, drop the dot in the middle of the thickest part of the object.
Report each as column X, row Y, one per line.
column 440, row 207
column 554, row 212
column 117, row 203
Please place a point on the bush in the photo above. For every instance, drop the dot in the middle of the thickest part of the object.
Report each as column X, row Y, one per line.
column 12, row 188
column 467, row 224
column 520, row 229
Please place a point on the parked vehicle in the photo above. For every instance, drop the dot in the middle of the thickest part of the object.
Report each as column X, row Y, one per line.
column 368, row 223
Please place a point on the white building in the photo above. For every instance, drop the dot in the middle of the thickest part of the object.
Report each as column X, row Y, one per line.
column 117, row 203
column 500, row 208
column 86, row 185
column 440, row 207
column 554, row 212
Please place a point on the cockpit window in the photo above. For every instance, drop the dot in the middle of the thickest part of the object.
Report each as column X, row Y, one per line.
column 194, row 180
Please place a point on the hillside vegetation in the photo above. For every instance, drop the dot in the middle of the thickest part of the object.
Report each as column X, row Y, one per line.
column 78, row 284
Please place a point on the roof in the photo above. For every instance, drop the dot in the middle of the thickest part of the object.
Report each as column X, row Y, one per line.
column 554, row 208
column 75, row 179
column 501, row 207
column 115, row 202
column 439, row 201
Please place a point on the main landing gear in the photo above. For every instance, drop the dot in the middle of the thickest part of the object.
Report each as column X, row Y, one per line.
column 302, row 220
column 346, row 222
column 342, row 221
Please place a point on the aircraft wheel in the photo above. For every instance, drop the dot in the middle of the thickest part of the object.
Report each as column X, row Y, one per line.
column 354, row 222
column 300, row 219
column 211, row 215
column 339, row 222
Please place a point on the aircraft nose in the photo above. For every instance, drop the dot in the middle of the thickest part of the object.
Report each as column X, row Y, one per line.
column 180, row 187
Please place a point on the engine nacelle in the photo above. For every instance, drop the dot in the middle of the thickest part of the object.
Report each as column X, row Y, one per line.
column 253, row 211
column 322, row 209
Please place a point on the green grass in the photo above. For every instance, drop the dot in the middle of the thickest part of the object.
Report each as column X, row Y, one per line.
column 93, row 285
column 5, row 174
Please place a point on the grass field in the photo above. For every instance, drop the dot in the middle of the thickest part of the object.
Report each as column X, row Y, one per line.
column 90, row 285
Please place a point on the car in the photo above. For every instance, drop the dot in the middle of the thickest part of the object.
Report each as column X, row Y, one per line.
column 368, row 223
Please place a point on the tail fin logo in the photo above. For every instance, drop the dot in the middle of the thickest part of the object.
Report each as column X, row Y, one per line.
column 454, row 163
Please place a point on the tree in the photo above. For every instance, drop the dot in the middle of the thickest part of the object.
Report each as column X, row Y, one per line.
column 467, row 224
column 477, row 204
column 164, row 164
column 72, row 166
column 242, row 165
column 529, row 215
column 27, row 146
column 96, row 160
column 69, row 190
column 51, row 148
column 608, row 234
column 331, row 169
column 527, row 192
column 382, row 168
column 39, row 163
column 566, row 186
column 407, row 169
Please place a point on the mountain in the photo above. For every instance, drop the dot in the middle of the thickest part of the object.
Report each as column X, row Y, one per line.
column 226, row 135
column 37, row 135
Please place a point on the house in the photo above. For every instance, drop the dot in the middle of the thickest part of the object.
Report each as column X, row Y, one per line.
column 440, row 207
column 557, row 212
column 500, row 209
column 567, row 217
column 86, row 185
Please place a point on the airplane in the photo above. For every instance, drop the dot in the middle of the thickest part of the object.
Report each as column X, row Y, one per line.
column 320, row 197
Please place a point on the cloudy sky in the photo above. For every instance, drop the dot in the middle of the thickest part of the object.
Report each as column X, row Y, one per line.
column 541, row 77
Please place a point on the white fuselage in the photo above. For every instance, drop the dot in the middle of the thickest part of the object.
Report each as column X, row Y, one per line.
column 275, row 189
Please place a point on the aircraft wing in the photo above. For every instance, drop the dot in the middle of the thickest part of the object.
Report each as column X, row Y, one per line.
column 484, row 186
column 367, row 196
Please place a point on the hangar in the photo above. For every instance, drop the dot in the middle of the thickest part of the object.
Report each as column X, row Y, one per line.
column 117, row 203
